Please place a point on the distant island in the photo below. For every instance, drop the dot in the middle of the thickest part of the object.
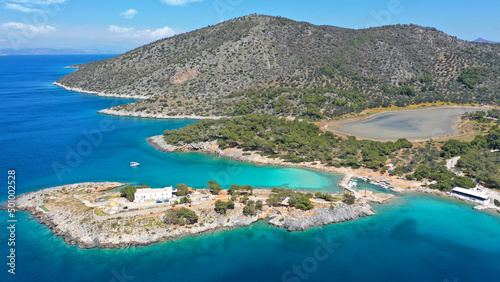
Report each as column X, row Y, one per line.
column 96, row 215
column 53, row 51
column 481, row 40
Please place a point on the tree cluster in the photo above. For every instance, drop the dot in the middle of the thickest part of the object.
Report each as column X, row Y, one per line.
column 295, row 199
column 236, row 189
column 221, row 207
column 182, row 216
column 214, row 187
column 128, row 192
column 292, row 141
column 182, row 189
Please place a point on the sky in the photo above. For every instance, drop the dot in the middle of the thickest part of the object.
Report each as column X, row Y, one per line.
column 121, row 25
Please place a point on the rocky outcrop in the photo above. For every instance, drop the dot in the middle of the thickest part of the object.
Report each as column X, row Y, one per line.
column 158, row 142
column 183, row 75
column 99, row 93
column 323, row 216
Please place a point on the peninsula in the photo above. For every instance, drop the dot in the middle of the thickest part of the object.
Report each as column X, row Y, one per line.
column 96, row 215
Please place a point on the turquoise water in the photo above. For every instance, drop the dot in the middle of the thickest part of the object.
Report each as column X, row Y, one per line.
column 46, row 139
column 415, row 238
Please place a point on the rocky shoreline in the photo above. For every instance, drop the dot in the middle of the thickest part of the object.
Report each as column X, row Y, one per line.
column 113, row 112
column 323, row 216
column 149, row 115
column 61, row 209
column 102, row 94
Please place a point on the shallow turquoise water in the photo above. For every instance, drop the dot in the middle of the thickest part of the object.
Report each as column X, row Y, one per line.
column 415, row 238
column 52, row 136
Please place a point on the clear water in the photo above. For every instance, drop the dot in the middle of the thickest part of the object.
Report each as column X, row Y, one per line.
column 415, row 238
column 46, row 128
column 412, row 124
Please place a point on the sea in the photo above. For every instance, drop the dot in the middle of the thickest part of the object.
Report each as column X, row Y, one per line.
column 52, row 137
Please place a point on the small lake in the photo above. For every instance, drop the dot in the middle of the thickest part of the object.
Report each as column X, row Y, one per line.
column 410, row 124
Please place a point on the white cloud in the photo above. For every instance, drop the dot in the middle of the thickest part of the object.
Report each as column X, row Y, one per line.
column 142, row 34
column 129, row 14
column 117, row 29
column 162, row 32
column 20, row 8
column 28, row 27
column 179, row 2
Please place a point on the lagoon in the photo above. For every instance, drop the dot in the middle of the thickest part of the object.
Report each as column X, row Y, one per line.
column 409, row 124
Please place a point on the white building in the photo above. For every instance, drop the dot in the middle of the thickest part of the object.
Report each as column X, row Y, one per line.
column 157, row 194
column 473, row 195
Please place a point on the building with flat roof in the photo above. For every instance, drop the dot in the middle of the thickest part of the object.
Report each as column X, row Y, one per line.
column 154, row 194
column 474, row 195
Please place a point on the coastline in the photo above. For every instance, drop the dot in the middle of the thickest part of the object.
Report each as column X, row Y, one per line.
column 112, row 112
column 101, row 94
column 398, row 185
column 67, row 211
column 211, row 147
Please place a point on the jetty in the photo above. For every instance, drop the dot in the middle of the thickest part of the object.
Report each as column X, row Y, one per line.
column 344, row 181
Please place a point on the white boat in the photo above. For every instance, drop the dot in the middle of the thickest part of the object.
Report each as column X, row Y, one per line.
column 134, row 164
column 352, row 184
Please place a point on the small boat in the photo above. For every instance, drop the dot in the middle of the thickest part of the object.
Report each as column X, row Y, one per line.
column 352, row 184
column 134, row 164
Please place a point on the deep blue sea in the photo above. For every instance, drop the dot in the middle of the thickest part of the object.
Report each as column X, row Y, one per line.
column 51, row 137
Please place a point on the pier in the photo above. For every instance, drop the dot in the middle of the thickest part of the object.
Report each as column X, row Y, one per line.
column 344, row 181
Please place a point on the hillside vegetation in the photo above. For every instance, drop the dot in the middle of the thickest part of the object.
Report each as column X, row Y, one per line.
column 300, row 141
column 218, row 69
column 292, row 141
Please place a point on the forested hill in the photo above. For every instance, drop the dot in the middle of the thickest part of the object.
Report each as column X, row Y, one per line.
column 184, row 73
